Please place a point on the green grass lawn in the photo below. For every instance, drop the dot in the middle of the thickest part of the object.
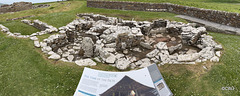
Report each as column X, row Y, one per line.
column 25, row 70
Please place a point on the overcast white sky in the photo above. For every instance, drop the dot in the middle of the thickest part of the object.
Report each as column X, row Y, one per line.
column 33, row 1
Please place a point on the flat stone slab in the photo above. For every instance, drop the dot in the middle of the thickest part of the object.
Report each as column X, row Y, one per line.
column 211, row 26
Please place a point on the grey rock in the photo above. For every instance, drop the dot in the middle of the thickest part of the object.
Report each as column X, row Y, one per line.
column 111, row 59
column 214, row 59
column 70, row 58
column 87, row 46
column 137, row 50
column 173, row 48
column 191, row 51
column 50, row 53
column 85, row 62
column 218, row 53
column 152, row 53
column 97, row 59
column 146, row 45
column 65, row 54
column 207, row 53
column 37, row 44
column 161, row 46
column 54, row 56
column 122, row 64
column 143, row 63
column 188, row 57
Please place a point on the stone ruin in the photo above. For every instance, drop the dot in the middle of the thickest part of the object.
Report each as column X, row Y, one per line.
column 124, row 43
column 20, row 6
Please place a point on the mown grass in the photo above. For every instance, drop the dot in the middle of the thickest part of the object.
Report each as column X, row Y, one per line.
column 25, row 70
column 223, row 5
column 19, row 27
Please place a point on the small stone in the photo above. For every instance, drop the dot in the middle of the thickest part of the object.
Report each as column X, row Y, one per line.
column 97, row 59
column 34, row 38
column 152, row 53
column 54, row 56
column 111, row 59
column 143, row 63
column 118, row 56
column 159, row 35
column 137, row 50
column 87, row 46
column 51, row 52
column 70, row 58
column 43, row 44
column 59, row 51
column 214, row 59
column 86, row 62
column 173, row 39
column 37, row 44
column 125, row 51
column 161, row 46
column 191, row 51
column 64, row 60
column 62, row 32
column 146, row 45
column 204, row 67
column 218, row 53
column 122, row 64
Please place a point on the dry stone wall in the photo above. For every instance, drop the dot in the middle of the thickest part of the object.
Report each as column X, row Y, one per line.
column 221, row 17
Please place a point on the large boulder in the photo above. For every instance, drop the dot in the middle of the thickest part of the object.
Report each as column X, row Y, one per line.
column 87, row 46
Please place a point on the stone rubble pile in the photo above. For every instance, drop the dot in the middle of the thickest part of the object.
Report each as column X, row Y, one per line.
column 40, row 25
column 46, row 29
column 134, row 44
column 124, row 43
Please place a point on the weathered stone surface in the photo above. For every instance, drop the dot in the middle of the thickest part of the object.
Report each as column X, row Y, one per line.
column 146, row 45
column 152, row 53
column 173, row 48
column 34, row 38
column 87, row 46
column 70, row 58
column 122, row 64
column 54, row 56
column 218, row 53
column 86, row 62
column 118, row 45
column 188, row 57
column 143, row 63
column 207, row 53
column 161, row 46
column 111, row 59
column 37, row 44
column 214, row 59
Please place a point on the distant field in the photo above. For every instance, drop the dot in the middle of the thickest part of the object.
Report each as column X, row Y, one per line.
column 224, row 5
